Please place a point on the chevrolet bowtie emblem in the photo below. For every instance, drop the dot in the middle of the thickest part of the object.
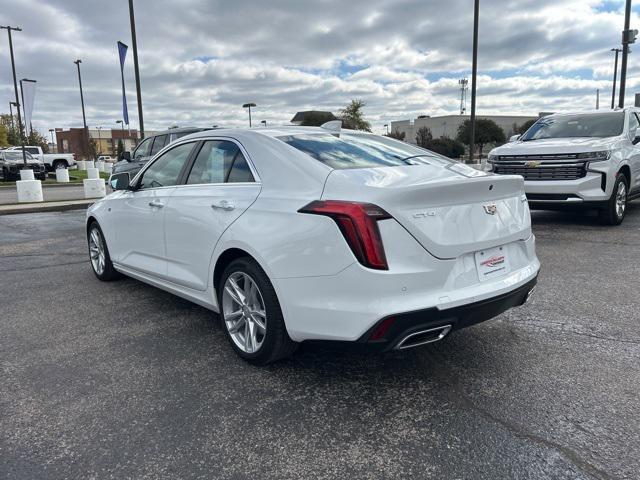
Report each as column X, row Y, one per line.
column 490, row 209
column 532, row 164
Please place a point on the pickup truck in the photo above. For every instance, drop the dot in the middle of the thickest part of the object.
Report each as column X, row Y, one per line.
column 11, row 162
column 577, row 160
column 53, row 161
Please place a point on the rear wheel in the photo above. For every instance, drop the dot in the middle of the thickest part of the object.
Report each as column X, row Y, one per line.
column 99, row 255
column 59, row 164
column 251, row 314
column 614, row 212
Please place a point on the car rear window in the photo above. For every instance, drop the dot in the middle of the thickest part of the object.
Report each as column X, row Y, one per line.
column 352, row 150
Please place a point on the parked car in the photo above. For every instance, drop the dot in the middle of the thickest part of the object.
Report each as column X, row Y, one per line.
column 11, row 162
column 147, row 148
column 587, row 159
column 53, row 161
column 106, row 158
column 298, row 233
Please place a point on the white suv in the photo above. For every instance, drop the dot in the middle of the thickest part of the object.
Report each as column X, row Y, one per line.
column 587, row 159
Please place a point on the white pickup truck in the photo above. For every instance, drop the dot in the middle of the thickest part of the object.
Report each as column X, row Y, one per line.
column 53, row 161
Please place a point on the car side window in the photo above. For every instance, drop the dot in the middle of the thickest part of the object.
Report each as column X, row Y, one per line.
column 142, row 150
column 33, row 151
column 633, row 124
column 219, row 161
column 158, row 143
column 165, row 170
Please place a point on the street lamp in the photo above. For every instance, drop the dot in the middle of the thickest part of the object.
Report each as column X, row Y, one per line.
column 9, row 29
column 11, row 104
column 264, row 123
column 51, row 130
column 99, row 128
column 249, row 105
column 84, row 118
column 386, row 128
column 121, row 124
column 615, row 75
column 474, row 74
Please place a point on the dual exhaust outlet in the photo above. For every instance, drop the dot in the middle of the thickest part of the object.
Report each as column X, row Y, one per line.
column 422, row 337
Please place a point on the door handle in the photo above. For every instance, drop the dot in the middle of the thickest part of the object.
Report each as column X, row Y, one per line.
column 223, row 205
column 156, row 203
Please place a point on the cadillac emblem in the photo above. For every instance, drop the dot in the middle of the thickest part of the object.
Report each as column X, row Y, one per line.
column 490, row 209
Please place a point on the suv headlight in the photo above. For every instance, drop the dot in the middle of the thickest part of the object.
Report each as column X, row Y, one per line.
column 492, row 158
column 596, row 156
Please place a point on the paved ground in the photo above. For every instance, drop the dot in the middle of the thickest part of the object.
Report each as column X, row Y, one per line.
column 51, row 193
column 121, row 380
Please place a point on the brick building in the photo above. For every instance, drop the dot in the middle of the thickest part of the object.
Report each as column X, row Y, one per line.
column 74, row 140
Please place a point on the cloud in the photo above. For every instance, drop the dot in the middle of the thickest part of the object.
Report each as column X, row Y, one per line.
column 201, row 59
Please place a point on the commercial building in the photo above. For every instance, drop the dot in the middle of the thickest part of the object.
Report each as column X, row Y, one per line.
column 73, row 140
column 447, row 125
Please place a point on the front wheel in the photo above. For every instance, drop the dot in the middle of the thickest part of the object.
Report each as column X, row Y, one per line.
column 616, row 207
column 251, row 314
column 99, row 254
column 59, row 164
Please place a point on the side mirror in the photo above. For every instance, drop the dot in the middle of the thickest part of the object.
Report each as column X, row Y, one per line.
column 126, row 156
column 636, row 136
column 120, row 181
column 514, row 138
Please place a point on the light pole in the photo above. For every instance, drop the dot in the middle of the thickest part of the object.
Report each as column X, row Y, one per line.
column 615, row 75
column 263, row 123
column 51, row 130
column 134, row 45
column 249, row 105
column 15, row 88
column 474, row 73
column 13, row 126
column 99, row 128
column 84, row 118
column 121, row 125
column 386, row 128
column 628, row 37
column 24, row 109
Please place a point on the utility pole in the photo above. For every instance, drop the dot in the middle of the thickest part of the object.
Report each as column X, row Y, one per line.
column 474, row 72
column 51, row 130
column 84, row 118
column 628, row 37
column 597, row 99
column 15, row 88
column 134, row 45
column 13, row 126
column 615, row 76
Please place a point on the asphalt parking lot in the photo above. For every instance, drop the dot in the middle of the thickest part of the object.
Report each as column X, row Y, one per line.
column 122, row 380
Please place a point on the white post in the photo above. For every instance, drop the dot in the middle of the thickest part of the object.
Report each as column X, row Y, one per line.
column 82, row 165
column 89, row 164
column 108, row 167
column 62, row 175
column 100, row 165
column 29, row 189
column 94, row 186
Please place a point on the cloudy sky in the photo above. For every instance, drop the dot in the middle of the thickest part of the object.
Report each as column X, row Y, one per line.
column 200, row 60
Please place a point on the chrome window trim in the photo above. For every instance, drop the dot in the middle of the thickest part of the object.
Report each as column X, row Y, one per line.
column 153, row 160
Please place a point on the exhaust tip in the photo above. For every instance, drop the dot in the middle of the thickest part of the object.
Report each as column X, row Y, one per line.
column 422, row 337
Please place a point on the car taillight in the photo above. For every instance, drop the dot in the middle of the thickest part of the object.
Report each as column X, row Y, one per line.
column 358, row 223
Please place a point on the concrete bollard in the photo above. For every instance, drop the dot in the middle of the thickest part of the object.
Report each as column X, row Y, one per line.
column 62, row 175
column 93, row 173
column 100, row 165
column 82, row 165
column 94, row 188
column 29, row 190
column 89, row 164
column 108, row 167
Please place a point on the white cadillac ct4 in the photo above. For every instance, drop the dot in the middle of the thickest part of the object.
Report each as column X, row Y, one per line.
column 303, row 233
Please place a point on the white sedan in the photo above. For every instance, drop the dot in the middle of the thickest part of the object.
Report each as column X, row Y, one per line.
column 303, row 233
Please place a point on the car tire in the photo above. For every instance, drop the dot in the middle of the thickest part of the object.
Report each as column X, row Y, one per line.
column 614, row 212
column 99, row 257
column 267, row 333
column 59, row 164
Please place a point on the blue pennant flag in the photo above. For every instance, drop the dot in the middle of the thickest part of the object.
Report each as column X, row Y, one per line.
column 122, row 51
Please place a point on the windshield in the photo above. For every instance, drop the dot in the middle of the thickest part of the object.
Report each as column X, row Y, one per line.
column 352, row 150
column 14, row 156
column 582, row 125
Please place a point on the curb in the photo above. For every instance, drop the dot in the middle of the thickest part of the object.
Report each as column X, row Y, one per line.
column 45, row 206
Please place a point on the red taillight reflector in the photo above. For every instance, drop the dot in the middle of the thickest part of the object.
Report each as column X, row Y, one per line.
column 358, row 223
column 382, row 329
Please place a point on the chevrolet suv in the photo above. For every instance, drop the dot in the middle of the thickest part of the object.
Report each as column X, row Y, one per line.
column 586, row 160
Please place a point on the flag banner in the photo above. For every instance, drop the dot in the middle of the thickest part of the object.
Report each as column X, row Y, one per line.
column 122, row 51
column 28, row 97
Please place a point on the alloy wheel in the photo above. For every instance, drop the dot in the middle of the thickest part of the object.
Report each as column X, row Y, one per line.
column 244, row 312
column 96, row 251
column 621, row 199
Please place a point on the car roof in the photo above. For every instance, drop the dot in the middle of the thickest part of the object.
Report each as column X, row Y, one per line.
column 274, row 132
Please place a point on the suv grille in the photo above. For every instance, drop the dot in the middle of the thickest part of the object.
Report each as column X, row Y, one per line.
column 542, row 167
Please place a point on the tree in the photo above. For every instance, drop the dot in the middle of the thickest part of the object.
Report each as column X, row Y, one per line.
column 315, row 119
column 4, row 141
column 397, row 134
column 446, row 146
column 525, row 126
column 353, row 118
column 423, row 137
column 487, row 131
column 93, row 149
column 120, row 149
column 37, row 139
